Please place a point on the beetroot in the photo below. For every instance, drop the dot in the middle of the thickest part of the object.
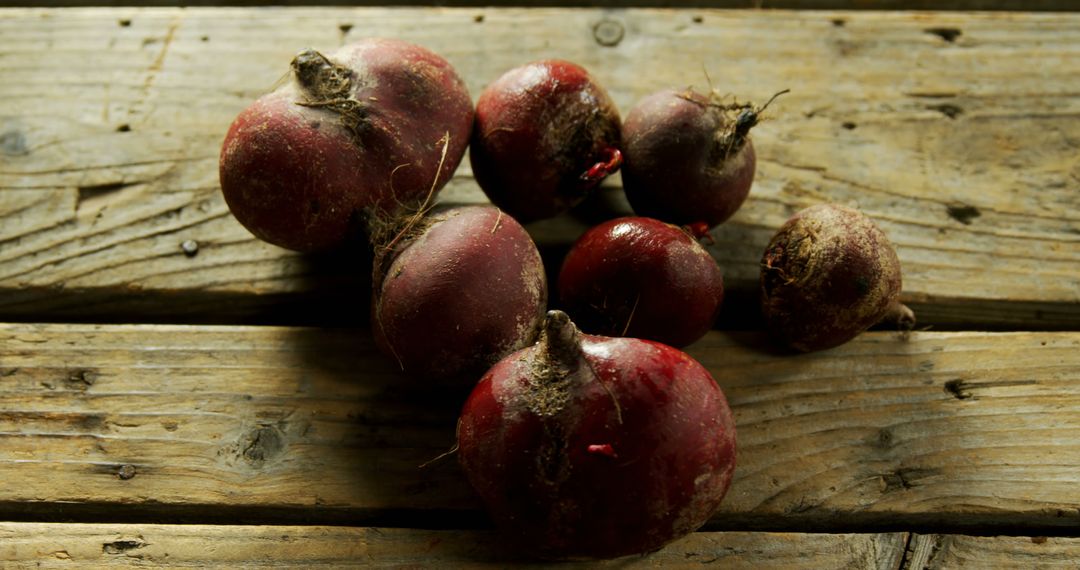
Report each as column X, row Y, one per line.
column 352, row 135
column 688, row 158
column 593, row 447
column 642, row 278
column 545, row 135
column 828, row 275
column 456, row 291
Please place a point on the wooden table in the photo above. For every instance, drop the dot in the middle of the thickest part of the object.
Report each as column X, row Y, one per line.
column 223, row 404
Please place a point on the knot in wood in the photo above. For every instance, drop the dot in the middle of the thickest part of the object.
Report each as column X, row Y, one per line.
column 608, row 33
column 13, row 143
column 261, row 445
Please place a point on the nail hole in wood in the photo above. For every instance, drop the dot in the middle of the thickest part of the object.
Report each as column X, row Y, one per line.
column 947, row 34
column 190, row 247
column 950, row 111
column 963, row 213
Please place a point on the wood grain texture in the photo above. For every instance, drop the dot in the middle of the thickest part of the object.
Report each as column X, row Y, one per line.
column 52, row 545
column 63, row 545
column 942, row 552
column 261, row 424
column 957, row 132
column 1022, row 5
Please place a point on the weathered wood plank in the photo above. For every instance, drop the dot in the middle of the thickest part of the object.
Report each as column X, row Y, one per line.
column 218, row 424
column 39, row 545
column 49, row 545
column 1022, row 5
column 957, row 132
column 941, row 552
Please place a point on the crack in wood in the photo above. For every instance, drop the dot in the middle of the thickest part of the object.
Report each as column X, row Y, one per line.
column 18, row 212
column 962, row 389
column 949, row 110
column 922, row 549
column 905, row 478
column 948, row 34
column 157, row 218
column 95, row 192
column 963, row 213
column 159, row 61
column 105, row 167
column 930, row 94
column 956, row 389
column 905, row 557
column 117, row 547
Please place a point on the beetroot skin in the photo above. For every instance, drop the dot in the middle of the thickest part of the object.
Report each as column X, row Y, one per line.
column 828, row 275
column 642, row 278
column 594, row 447
column 458, row 291
column 350, row 136
column 688, row 159
column 545, row 135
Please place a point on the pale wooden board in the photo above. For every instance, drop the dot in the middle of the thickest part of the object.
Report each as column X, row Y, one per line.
column 60, row 545
column 63, row 545
column 1025, row 5
column 942, row 552
column 112, row 120
column 219, row 424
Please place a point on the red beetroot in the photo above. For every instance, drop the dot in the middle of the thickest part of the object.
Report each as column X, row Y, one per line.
column 642, row 278
column 350, row 136
column 545, row 135
column 457, row 291
column 688, row 158
column 828, row 275
column 594, row 447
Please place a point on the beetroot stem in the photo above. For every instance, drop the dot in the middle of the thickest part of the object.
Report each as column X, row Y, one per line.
column 559, row 341
column 699, row 230
column 596, row 173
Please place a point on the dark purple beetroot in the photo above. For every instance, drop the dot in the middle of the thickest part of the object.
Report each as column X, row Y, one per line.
column 828, row 275
column 460, row 289
column 687, row 158
column 351, row 136
column 545, row 135
column 594, row 447
column 642, row 278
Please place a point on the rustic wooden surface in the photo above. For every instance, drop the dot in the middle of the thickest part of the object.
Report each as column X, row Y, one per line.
column 51, row 545
column 941, row 552
column 1025, row 5
column 62, row 545
column 958, row 132
column 977, row 431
